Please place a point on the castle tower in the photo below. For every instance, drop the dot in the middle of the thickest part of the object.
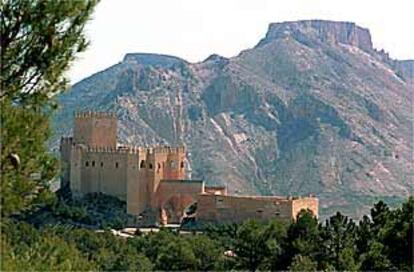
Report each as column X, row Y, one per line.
column 175, row 165
column 137, row 187
column 95, row 129
column 156, row 159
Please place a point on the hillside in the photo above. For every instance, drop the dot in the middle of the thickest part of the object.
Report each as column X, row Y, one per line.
column 313, row 108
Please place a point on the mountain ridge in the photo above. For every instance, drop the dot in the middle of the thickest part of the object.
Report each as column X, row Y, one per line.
column 308, row 111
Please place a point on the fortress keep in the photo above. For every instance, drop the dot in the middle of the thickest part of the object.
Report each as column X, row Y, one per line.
column 153, row 180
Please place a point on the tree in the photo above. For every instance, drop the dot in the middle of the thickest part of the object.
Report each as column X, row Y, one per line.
column 259, row 244
column 302, row 263
column 38, row 40
column 375, row 259
column 338, row 243
column 177, row 255
column 302, row 237
column 209, row 253
column 24, row 248
column 364, row 235
column 225, row 234
column 396, row 234
column 380, row 215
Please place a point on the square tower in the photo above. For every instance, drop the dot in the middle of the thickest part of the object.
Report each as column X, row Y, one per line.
column 95, row 129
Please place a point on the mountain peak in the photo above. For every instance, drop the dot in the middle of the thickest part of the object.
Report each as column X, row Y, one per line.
column 326, row 31
column 149, row 59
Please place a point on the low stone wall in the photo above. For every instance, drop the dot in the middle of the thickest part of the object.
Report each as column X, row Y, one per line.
column 236, row 209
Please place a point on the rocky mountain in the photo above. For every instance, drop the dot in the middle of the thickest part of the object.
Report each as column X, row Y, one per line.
column 313, row 108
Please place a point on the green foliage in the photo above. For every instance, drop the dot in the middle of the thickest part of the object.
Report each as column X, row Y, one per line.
column 303, row 263
column 338, row 243
column 27, row 249
column 176, row 255
column 375, row 259
column 38, row 40
column 225, row 234
column 258, row 244
column 208, row 253
column 94, row 210
column 396, row 232
column 24, row 132
column 303, row 236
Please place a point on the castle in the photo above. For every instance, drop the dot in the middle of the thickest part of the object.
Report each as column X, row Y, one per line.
column 153, row 180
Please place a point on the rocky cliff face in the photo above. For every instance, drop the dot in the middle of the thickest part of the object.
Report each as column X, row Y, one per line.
column 406, row 69
column 325, row 31
column 313, row 108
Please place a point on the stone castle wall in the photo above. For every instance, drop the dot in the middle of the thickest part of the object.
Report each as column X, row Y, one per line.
column 104, row 172
column 233, row 209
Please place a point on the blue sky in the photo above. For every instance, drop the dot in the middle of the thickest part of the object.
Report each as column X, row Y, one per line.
column 195, row 29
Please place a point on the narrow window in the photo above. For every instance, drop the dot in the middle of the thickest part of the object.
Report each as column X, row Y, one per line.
column 86, row 163
column 150, row 166
column 142, row 165
column 182, row 164
column 93, row 163
column 116, row 165
column 101, row 164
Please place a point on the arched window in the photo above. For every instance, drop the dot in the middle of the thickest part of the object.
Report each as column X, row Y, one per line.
column 101, row 164
column 86, row 163
column 93, row 163
column 182, row 164
column 142, row 165
column 150, row 166
column 116, row 165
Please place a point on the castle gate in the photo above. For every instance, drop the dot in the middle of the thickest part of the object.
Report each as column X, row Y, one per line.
column 174, row 196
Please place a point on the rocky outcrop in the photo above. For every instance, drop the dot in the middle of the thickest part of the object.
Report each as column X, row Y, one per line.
column 148, row 59
column 326, row 31
column 406, row 69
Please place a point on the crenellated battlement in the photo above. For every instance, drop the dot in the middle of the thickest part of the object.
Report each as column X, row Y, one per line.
column 115, row 150
column 127, row 148
column 94, row 114
column 168, row 150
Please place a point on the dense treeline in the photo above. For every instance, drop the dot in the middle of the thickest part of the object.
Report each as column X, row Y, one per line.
column 93, row 211
column 382, row 241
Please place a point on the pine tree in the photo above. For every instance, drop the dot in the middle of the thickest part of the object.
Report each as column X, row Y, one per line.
column 39, row 40
column 259, row 245
column 302, row 237
column 338, row 243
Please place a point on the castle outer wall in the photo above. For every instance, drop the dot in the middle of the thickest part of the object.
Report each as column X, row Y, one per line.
column 236, row 209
